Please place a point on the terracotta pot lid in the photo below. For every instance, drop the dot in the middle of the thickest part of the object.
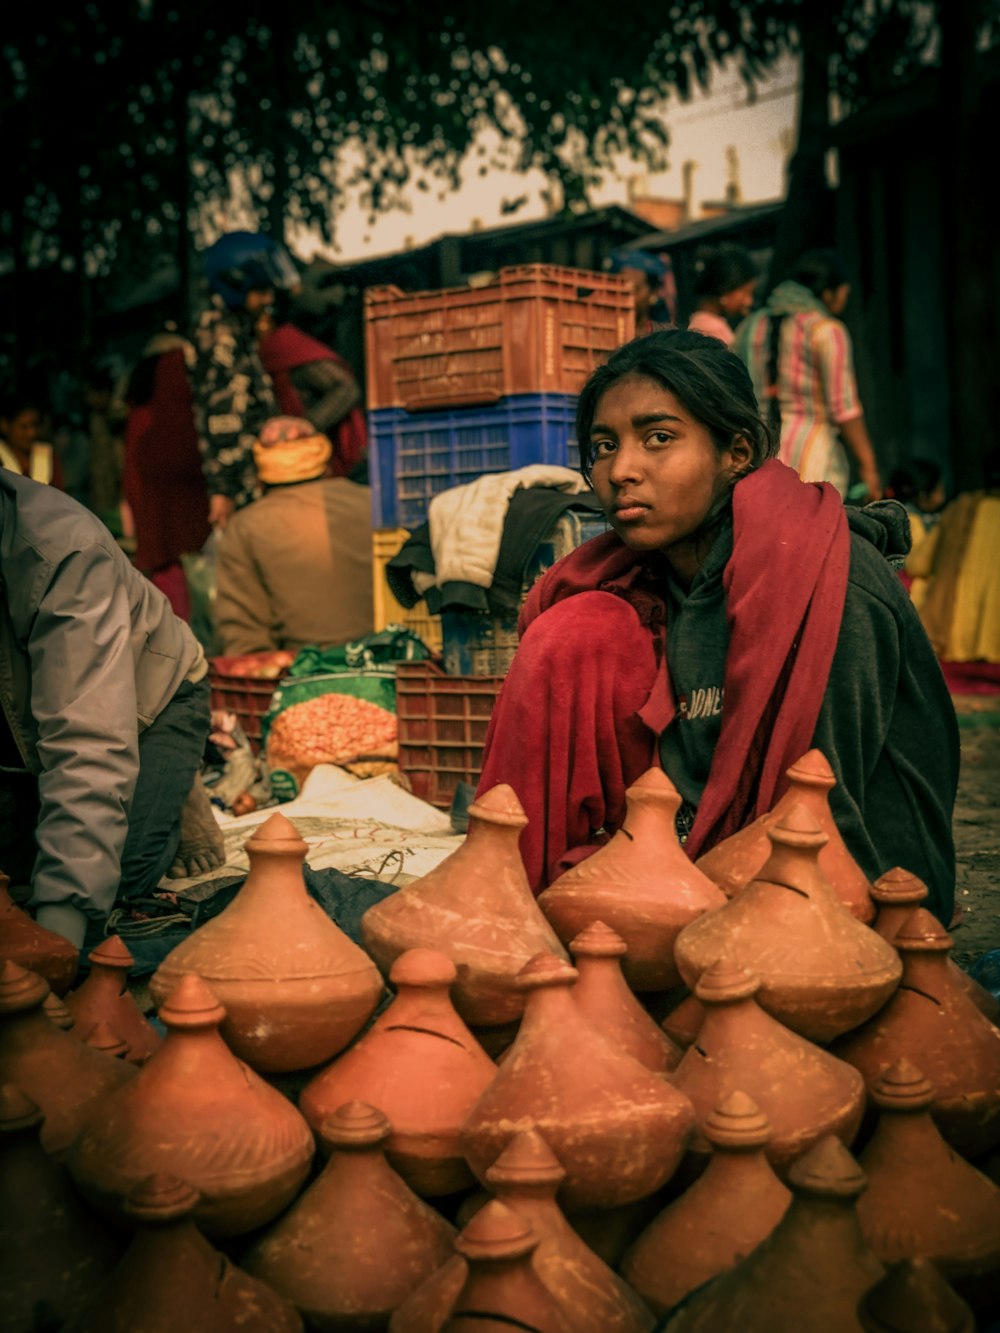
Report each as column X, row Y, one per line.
column 737, row 1123
column 112, row 952
column 57, row 1012
column 812, row 770
column 545, row 969
column 898, row 886
column 355, row 1125
column 902, row 1087
column 192, row 1004
column 103, row 1037
column 922, row 932
column 798, row 828
column 828, row 1171
column 598, row 941
column 499, row 805
column 277, row 834
column 655, row 787
column 725, row 983
column 423, row 967
column 526, row 1160
column 20, row 988
column 496, row 1232
column 17, row 1110
column 162, row 1197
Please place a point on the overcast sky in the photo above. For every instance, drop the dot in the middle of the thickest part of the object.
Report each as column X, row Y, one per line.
column 701, row 131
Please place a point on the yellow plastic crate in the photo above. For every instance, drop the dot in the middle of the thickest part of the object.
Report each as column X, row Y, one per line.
column 386, row 542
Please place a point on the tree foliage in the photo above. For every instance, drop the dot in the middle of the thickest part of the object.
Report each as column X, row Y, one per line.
column 172, row 104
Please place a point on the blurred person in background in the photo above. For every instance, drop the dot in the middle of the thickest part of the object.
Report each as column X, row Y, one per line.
column 233, row 393
column 295, row 567
column 22, row 448
column 919, row 488
column 105, row 424
column 314, row 382
column 165, row 499
column 652, row 280
column 724, row 290
column 801, row 362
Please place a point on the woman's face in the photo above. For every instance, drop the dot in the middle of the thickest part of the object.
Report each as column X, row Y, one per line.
column 656, row 469
column 21, row 431
column 835, row 298
column 739, row 302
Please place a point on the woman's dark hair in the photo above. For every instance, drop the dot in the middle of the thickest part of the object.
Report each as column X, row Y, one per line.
column 710, row 380
column 821, row 271
column 918, row 477
column 723, row 268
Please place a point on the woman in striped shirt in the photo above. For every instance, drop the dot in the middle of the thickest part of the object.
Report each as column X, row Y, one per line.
column 800, row 360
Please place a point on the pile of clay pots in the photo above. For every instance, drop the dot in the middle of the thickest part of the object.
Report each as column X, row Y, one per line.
column 752, row 1093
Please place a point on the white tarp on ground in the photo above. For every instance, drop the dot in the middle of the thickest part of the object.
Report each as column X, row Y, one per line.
column 369, row 827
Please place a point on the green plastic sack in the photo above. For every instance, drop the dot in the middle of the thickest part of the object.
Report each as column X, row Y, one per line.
column 199, row 573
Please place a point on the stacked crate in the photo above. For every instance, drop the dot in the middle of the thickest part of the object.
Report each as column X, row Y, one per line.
column 465, row 381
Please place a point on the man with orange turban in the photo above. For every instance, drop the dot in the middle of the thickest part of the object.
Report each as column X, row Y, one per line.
column 295, row 567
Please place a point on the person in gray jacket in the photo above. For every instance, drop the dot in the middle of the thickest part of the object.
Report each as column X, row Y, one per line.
column 105, row 711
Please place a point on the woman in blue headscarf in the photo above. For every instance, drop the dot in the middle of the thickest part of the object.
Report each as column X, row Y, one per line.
column 652, row 278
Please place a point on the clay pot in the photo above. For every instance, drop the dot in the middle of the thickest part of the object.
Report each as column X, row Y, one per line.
column 896, row 894
column 641, row 884
column 803, row 1090
column 295, row 988
column 607, row 1002
column 358, row 1241
column 913, row 1297
column 922, row 1198
column 433, row 1301
column 932, row 1022
column 811, row 1271
column 196, row 1111
column 733, row 863
column 683, row 1023
column 502, row 1288
column 617, row 1129
column 104, row 998
column 422, row 1067
column 821, row 971
column 63, row 1075
column 25, row 942
column 729, row 1210
column 52, row 1249
column 477, row 907
column 526, row 1177
column 171, row 1278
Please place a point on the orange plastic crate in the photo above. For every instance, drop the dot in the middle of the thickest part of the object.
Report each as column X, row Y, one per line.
column 442, row 722
column 538, row 328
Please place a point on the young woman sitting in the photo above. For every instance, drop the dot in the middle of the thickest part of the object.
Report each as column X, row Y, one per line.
column 733, row 618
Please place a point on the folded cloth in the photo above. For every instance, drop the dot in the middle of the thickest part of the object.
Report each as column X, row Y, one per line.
column 530, row 517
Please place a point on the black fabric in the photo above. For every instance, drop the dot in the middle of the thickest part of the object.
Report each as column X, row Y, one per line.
column 531, row 516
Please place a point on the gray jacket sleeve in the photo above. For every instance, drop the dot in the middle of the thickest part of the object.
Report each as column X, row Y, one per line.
column 84, row 705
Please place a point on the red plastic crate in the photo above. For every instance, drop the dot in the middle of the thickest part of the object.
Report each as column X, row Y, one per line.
column 442, row 723
column 233, row 690
column 538, row 328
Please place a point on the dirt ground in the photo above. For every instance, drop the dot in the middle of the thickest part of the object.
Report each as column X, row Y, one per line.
column 977, row 828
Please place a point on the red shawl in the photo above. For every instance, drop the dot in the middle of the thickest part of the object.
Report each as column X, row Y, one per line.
column 283, row 350
column 785, row 587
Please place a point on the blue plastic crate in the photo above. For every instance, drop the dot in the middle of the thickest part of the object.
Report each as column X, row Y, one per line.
column 413, row 456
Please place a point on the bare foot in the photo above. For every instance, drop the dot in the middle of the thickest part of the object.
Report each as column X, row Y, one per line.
column 202, row 847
